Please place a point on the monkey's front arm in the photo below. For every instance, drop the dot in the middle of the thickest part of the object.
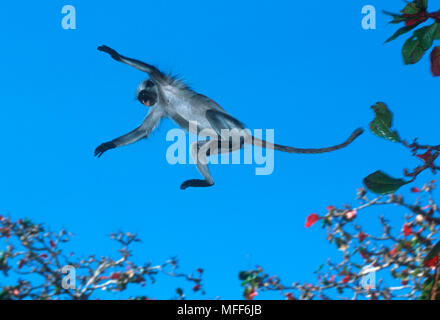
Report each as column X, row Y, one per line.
column 155, row 74
column 143, row 131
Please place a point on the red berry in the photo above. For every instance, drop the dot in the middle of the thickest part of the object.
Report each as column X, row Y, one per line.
column 345, row 279
column 252, row 295
column 431, row 263
column 115, row 276
column 21, row 263
column 393, row 251
column 311, row 220
column 289, row 296
column 362, row 236
column 406, row 229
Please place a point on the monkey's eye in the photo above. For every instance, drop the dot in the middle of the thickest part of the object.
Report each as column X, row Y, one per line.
column 149, row 84
column 143, row 96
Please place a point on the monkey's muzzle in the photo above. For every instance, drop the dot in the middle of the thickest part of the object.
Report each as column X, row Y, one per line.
column 147, row 98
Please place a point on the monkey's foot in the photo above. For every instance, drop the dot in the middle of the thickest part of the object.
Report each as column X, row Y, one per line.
column 195, row 183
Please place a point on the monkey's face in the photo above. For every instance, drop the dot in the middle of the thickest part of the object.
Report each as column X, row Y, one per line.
column 147, row 93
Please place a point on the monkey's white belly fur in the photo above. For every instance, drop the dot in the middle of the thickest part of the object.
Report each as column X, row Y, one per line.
column 187, row 109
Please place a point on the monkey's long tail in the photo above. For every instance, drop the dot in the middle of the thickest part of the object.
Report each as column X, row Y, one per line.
column 265, row 144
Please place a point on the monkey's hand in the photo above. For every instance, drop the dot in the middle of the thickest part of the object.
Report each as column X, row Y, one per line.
column 111, row 52
column 103, row 148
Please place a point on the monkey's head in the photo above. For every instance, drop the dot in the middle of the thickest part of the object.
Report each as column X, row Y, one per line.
column 147, row 93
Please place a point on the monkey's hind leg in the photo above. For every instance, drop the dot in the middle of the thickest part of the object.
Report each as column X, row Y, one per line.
column 199, row 156
column 200, row 151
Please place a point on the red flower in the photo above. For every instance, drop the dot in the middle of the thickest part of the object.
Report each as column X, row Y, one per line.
column 115, row 276
column 362, row 236
column 289, row 296
column 21, row 263
column 406, row 229
column 415, row 190
column 435, row 62
column 404, row 282
column 332, row 278
column 1, row 218
column 345, row 279
column 331, row 208
column 426, row 156
column 15, row 292
column 200, row 270
column 393, row 251
column 364, row 254
column 431, row 263
column 311, row 220
column 44, row 256
column 252, row 295
column 196, row 287
column 103, row 278
column 52, row 244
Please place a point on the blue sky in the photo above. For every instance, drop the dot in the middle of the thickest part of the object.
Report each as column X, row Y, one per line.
column 306, row 69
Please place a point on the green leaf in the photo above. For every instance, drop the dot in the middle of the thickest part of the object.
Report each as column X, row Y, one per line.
column 381, row 125
column 249, row 279
column 381, row 183
column 412, row 8
column 179, row 291
column 243, row 275
column 412, row 51
column 427, row 289
column 381, row 110
column 414, row 242
column 319, row 268
column 422, row 4
column 435, row 251
column 4, row 295
column 397, row 18
column 437, row 32
column 422, row 39
column 401, row 31
column 426, row 35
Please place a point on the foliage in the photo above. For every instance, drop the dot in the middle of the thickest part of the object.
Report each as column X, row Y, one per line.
column 38, row 263
column 409, row 256
column 412, row 16
column 381, row 183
